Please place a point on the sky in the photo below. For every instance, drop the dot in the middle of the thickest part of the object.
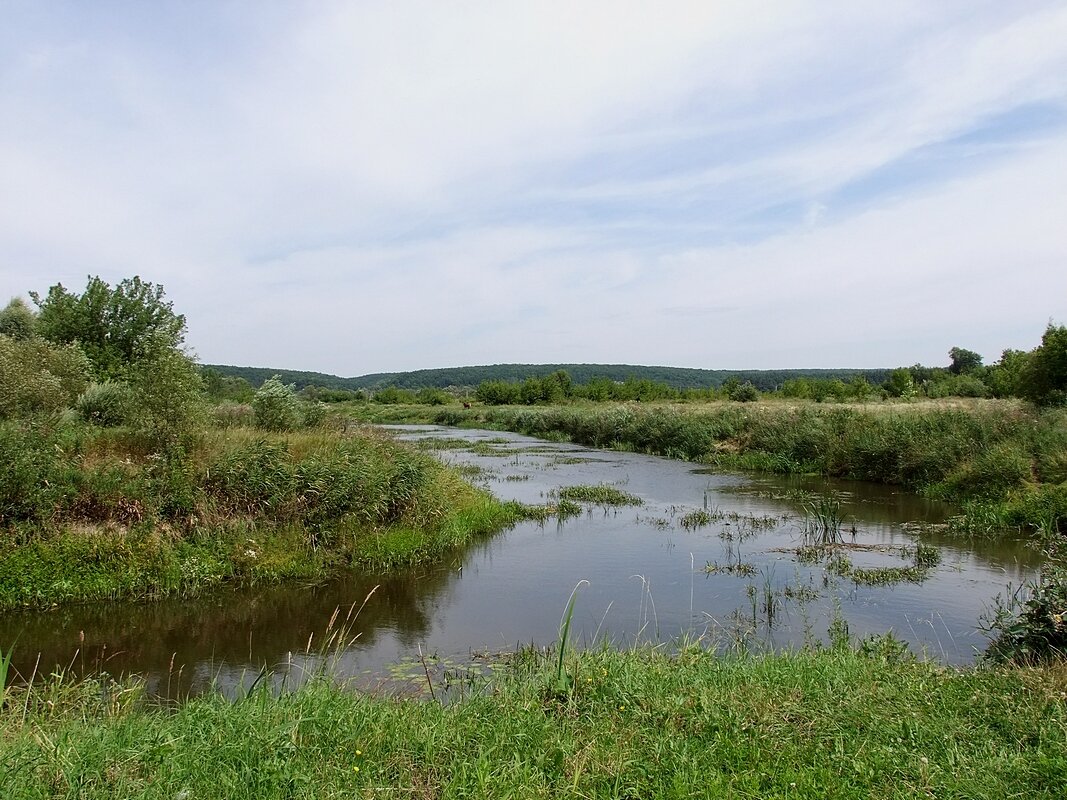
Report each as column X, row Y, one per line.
column 358, row 187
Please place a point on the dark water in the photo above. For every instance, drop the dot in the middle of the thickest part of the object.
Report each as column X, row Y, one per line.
column 645, row 572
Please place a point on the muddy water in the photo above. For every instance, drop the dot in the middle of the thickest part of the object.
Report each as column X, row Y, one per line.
column 736, row 581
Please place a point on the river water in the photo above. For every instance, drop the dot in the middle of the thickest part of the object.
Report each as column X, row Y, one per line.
column 647, row 573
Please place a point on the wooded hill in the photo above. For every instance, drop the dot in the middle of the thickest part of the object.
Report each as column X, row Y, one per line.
column 675, row 377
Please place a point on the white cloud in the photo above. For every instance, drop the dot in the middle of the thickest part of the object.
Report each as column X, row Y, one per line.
column 360, row 187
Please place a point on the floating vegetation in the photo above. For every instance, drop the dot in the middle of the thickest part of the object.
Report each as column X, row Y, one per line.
column 695, row 519
column 925, row 559
column 661, row 523
column 927, row 555
column 471, row 470
column 800, row 593
column 566, row 509
column 443, row 443
column 516, row 478
column 601, row 494
column 741, row 568
column 886, row 576
column 567, row 461
column 743, row 526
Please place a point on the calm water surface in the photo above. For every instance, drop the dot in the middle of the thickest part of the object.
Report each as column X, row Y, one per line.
column 647, row 577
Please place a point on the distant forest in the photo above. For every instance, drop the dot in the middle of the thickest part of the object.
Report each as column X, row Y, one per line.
column 471, row 377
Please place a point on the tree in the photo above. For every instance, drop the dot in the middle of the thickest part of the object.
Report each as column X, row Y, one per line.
column 963, row 361
column 1044, row 377
column 1004, row 378
column 17, row 320
column 115, row 327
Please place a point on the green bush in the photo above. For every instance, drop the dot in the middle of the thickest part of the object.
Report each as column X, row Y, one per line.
column 314, row 414
column 743, row 393
column 32, row 479
column 275, row 406
column 108, row 404
column 1031, row 626
column 37, row 376
column 17, row 320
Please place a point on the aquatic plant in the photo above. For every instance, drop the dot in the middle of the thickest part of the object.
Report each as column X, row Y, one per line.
column 822, row 525
column 600, row 494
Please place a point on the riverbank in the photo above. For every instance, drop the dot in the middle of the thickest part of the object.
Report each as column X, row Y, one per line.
column 814, row 723
column 90, row 514
column 1004, row 462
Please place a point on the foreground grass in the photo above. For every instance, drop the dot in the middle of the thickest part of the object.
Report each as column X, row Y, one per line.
column 637, row 724
column 97, row 519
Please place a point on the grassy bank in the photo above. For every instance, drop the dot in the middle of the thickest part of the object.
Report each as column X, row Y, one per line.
column 91, row 514
column 1004, row 461
column 638, row 724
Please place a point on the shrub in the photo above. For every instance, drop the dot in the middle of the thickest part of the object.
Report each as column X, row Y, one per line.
column 169, row 393
column 744, row 393
column 38, row 376
column 31, row 477
column 1031, row 626
column 276, row 407
column 17, row 320
column 314, row 414
column 108, row 404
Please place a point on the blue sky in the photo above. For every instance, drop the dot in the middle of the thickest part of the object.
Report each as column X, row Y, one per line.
column 359, row 187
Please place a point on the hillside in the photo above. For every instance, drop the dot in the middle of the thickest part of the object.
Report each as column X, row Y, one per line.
column 676, row 377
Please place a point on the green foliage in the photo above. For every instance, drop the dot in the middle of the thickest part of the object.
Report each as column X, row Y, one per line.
column 32, row 479
column 108, row 404
column 499, row 393
column 432, row 397
column 314, row 414
column 36, row 376
column 963, row 361
column 599, row 494
column 114, row 326
column 390, row 395
column 168, row 391
column 1044, row 377
column 226, row 388
column 968, row 385
column 276, row 407
column 743, row 393
column 1031, row 625
column 901, row 384
column 1005, row 378
column 991, row 473
column 582, row 375
column 17, row 320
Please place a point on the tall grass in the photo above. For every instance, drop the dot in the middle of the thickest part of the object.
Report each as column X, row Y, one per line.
column 997, row 452
column 87, row 514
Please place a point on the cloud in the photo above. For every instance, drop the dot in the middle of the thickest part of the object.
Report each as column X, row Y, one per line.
column 360, row 187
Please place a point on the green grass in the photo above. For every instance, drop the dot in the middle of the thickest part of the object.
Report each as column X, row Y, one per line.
column 600, row 494
column 641, row 724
